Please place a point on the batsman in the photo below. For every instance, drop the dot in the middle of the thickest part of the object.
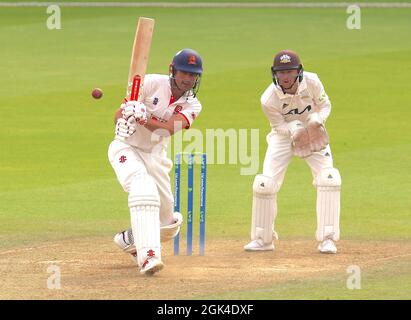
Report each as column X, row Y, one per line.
column 138, row 155
column 297, row 108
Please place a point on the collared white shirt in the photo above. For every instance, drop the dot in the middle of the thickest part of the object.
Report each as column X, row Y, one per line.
column 282, row 108
column 157, row 97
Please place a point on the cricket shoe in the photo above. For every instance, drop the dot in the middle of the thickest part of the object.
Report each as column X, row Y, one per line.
column 327, row 246
column 258, row 245
column 151, row 266
column 124, row 240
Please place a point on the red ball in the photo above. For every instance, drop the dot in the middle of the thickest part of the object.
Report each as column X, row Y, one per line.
column 97, row 93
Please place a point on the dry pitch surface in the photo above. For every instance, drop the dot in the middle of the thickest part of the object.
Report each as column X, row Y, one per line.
column 95, row 269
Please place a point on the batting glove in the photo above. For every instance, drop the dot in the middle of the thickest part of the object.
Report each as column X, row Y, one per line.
column 124, row 129
column 134, row 111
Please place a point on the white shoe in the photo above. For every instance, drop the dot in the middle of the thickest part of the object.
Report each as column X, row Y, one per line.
column 151, row 266
column 258, row 245
column 327, row 246
column 124, row 240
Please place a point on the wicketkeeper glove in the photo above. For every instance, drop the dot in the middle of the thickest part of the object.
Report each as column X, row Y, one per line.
column 300, row 139
column 317, row 133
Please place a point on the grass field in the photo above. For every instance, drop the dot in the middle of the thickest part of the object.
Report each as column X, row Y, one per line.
column 57, row 185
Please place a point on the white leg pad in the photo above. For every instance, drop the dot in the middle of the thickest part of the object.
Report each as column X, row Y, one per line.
column 144, row 204
column 264, row 209
column 328, row 183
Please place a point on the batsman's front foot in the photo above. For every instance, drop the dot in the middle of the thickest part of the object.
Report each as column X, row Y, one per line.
column 151, row 266
column 258, row 245
column 121, row 239
column 327, row 246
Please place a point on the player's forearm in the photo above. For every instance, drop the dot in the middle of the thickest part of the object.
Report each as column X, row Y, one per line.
column 170, row 127
column 281, row 129
column 161, row 128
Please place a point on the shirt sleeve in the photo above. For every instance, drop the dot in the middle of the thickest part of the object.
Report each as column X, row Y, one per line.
column 276, row 119
column 321, row 100
column 147, row 86
column 191, row 111
column 274, row 116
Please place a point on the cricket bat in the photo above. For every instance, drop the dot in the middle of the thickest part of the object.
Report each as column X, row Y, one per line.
column 139, row 57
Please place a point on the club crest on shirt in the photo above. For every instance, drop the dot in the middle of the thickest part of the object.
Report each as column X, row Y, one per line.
column 155, row 101
column 193, row 115
column 178, row 109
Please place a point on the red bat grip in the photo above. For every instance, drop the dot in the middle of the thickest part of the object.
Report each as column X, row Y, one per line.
column 135, row 88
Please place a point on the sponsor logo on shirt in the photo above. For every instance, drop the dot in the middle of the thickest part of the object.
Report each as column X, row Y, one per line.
column 295, row 111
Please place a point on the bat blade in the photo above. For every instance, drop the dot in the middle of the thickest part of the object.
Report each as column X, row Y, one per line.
column 139, row 57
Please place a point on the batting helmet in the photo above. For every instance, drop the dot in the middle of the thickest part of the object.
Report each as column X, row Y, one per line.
column 287, row 60
column 187, row 60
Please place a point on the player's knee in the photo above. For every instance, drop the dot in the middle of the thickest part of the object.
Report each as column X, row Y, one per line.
column 168, row 232
column 143, row 191
column 166, row 211
column 328, row 177
column 265, row 185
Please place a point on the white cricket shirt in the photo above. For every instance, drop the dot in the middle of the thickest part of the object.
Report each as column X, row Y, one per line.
column 156, row 95
column 282, row 108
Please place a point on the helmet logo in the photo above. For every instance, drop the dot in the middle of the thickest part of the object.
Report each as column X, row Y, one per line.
column 192, row 59
column 285, row 58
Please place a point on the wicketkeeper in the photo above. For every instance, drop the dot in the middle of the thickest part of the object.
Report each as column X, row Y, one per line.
column 297, row 108
column 138, row 156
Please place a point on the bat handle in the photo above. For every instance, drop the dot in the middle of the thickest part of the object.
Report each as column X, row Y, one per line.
column 135, row 88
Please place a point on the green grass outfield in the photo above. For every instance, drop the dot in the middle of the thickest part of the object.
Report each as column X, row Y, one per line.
column 56, row 182
column 214, row 1
column 378, row 283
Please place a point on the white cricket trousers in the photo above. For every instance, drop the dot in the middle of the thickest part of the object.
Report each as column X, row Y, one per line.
column 128, row 161
column 280, row 152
